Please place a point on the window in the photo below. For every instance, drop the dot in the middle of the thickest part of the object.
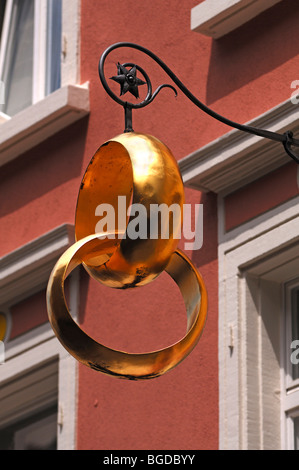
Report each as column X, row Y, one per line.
column 29, row 413
column 37, row 376
column 56, row 111
column 30, row 51
column 259, row 394
column 38, row 432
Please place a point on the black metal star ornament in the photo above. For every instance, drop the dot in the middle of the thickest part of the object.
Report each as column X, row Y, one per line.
column 128, row 80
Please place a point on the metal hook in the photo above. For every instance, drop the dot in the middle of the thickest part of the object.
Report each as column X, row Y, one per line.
column 286, row 139
column 287, row 146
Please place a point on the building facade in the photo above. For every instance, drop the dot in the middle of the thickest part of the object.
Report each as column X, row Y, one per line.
column 239, row 388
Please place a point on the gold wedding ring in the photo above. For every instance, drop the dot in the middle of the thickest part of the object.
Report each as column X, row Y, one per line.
column 142, row 170
column 97, row 248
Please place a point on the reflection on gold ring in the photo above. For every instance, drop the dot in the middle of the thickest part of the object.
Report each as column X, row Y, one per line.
column 142, row 170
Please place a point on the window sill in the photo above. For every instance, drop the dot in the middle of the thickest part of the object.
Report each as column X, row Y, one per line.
column 215, row 19
column 237, row 158
column 27, row 269
column 42, row 120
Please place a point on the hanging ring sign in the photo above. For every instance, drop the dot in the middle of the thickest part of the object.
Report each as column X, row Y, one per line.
column 143, row 171
column 130, row 171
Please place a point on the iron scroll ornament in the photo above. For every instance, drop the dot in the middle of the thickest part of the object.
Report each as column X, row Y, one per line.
column 129, row 83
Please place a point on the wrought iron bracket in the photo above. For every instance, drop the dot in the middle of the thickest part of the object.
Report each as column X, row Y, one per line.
column 129, row 82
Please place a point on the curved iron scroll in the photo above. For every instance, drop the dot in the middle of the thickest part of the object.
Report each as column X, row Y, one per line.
column 129, row 82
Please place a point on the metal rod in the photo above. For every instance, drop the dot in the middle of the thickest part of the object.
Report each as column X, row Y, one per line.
column 128, row 119
column 286, row 139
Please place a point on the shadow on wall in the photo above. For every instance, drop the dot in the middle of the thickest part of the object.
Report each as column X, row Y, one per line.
column 208, row 251
column 252, row 50
column 40, row 170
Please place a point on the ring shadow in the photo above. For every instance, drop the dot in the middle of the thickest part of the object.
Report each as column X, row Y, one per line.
column 43, row 168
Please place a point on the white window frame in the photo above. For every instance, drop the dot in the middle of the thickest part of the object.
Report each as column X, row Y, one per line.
column 39, row 46
column 38, row 371
column 262, row 252
column 215, row 18
column 39, row 51
column 290, row 383
column 69, row 41
column 290, row 428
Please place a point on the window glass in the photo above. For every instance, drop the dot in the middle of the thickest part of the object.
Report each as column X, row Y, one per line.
column 30, row 65
column 38, row 432
column 18, row 63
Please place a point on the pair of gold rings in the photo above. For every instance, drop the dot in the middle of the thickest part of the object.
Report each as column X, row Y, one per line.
column 143, row 169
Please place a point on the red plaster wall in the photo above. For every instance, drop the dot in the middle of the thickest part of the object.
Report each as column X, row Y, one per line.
column 38, row 190
column 261, row 195
column 28, row 314
column 241, row 76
